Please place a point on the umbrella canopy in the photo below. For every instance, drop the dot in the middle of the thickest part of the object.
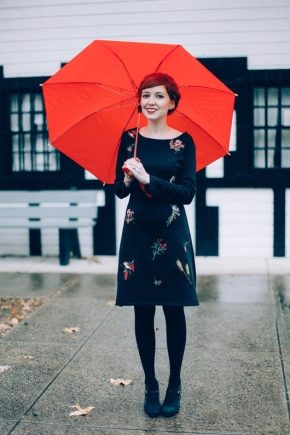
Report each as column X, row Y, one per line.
column 93, row 99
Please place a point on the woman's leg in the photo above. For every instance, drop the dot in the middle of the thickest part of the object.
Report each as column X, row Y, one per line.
column 145, row 338
column 176, row 340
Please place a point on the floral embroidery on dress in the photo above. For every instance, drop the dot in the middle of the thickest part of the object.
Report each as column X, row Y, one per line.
column 174, row 214
column 157, row 281
column 176, row 145
column 159, row 247
column 185, row 245
column 129, row 216
column 184, row 269
column 128, row 268
column 130, row 147
column 132, row 133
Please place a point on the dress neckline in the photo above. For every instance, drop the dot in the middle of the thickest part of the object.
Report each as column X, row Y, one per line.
column 167, row 139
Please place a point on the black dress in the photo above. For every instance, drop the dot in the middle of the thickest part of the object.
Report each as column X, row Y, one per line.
column 156, row 259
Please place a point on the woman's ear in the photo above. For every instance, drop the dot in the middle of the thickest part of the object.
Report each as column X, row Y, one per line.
column 172, row 105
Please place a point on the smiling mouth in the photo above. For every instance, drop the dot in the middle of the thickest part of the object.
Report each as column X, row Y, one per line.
column 151, row 110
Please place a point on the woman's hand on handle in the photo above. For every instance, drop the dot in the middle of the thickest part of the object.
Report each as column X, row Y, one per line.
column 137, row 170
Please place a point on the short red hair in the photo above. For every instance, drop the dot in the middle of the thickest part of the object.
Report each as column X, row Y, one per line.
column 159, row 79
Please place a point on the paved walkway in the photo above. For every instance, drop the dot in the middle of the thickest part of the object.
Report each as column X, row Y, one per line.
column 236, row 369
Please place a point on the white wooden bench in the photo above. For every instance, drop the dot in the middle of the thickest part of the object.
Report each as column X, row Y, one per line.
column 65, row 210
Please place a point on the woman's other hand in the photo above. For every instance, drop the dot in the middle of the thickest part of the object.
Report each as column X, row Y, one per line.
column 137, row 170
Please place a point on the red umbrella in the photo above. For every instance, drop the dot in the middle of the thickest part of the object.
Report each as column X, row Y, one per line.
column 93, row 99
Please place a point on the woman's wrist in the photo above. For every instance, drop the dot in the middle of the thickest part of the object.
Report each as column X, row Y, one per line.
column 127, row 181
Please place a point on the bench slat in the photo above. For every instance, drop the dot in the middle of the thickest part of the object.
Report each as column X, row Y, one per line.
column 18, row 196
column 43, row 212
column 46, row 223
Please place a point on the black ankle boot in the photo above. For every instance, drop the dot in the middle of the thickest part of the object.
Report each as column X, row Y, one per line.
column 152, row 406
column 171, row 402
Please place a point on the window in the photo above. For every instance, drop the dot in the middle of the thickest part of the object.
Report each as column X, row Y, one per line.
column 31, row 150
column 272, row 127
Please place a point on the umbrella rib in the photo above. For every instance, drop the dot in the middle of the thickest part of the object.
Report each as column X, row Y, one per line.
column 135, row 87
column 165, row 57
column 114, row 89
column 206, row 87
column 195, row 123
column 117, row 147
column 96, row 111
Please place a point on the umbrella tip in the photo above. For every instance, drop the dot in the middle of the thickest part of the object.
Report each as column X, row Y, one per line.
column 40, row 84
column 236, row 95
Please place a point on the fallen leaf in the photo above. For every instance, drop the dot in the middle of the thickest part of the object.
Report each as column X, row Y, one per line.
column 28, row 357
column 81, row 411
column 72, row 329
column 3, row 368
column 122, row 382
column 13, row 321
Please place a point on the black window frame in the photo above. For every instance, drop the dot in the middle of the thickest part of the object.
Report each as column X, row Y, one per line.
column 70, row 175
column 266, row 79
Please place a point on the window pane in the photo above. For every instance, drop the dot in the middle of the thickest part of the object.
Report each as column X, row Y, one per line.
column 272, row 138
column 13, row 103
column 273, row 97
column 285, row 96
column 270, row 162
column 26, row 122
column 285, row 116
column 273, row 116
column 14, row 122
column 259, row 137
column 39, row 162
column 27, row 143
column 38, row 104
column 259, row 97
column 259, row 117
column 27, row 162
column 39, row 143
column 285, row 158
column 38, row 122
column 259, row 159
column 25, row 104
column 285, row 138
column 233, row 137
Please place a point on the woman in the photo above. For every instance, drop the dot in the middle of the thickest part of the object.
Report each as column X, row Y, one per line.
column 156, row 260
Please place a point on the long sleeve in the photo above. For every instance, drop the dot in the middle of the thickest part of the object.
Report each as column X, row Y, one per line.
column 120, row 188
column 182, row 192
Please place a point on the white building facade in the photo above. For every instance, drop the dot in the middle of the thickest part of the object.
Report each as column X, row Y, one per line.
column 242, row 206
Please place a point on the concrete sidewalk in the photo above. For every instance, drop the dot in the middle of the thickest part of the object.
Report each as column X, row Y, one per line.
column 235, row 375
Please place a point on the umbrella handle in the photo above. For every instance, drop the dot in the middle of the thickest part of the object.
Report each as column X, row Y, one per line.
column 137, row 133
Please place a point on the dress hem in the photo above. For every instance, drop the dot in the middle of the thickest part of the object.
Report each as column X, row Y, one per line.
column 189, row 304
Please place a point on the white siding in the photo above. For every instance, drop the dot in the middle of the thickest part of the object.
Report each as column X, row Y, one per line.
column 50, row 245
column 37, row 35
column 14, row 242
column 245, row 221
column 287, row 254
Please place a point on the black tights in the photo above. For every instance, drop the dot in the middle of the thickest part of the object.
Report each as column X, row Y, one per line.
column 145, row 338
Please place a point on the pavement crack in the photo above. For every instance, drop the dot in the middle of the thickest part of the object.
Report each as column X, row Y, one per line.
column 64, row 366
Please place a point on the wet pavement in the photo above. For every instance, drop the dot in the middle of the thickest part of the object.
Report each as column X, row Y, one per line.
column 236, row 370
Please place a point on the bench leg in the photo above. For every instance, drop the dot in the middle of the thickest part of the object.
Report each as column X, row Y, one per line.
column 64, row 247
column 75, row 243
column 68, row 242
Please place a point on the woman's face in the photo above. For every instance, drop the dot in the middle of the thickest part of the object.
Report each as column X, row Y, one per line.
column 155, row 102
